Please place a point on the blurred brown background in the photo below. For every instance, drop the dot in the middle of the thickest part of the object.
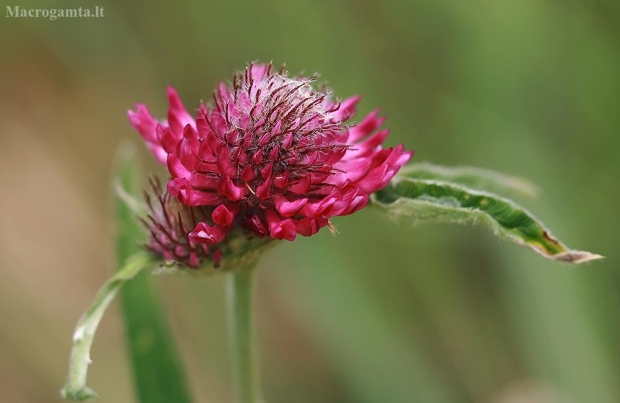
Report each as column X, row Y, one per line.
column 382, row 312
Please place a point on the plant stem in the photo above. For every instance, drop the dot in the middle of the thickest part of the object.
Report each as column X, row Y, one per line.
column 75, row 388
column 239, row 292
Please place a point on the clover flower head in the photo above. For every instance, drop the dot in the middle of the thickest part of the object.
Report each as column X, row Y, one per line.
column 169, row 222
column 271, row 154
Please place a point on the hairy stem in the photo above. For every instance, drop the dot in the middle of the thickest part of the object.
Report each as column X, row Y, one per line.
column 75, row 388
column 239, row 292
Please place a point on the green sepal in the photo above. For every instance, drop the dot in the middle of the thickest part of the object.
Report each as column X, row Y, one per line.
column 238, row 252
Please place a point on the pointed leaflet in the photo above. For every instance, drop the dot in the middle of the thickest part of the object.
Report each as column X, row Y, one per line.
column 428, row 200
column 472, row 177
column 158, row 374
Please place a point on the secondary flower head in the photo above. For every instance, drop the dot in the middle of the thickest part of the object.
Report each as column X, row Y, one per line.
column 168, row 222
column 271, row 154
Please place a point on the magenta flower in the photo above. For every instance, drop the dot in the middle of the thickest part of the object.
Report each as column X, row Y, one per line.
column 271, row 155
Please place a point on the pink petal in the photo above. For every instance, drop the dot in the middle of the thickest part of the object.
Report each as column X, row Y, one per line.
column 168, row 139
column 289, row 208
column 357, row 203
column 374, row 180
column 340, row 204
column 248, row 173
column 231, row 190
column 202, row 126
column 189, row 147
column 178, row 117
column 224, row 162
column 144, row 123
column 257, row 71
column 307, row 226
column 353, row 173
column 176, row 167
column 203, row 181
column 204, row 233
column 263, row 191
column 301, row 186
column 257, row 226
column 399, row 156
column 367, row 126
column 222, row 216
column 346, row 110
column 288, row 141
column 266, row 171
column 368, row 146
column 181, row 189
column 280, row 228
column 281, row 180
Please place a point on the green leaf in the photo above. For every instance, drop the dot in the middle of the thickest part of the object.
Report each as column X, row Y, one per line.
column 430, row 200
column 476, row 178
column 157, row 368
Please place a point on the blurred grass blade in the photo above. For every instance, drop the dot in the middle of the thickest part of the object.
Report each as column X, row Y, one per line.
column 428, row 200
column 158, row 375
column 131, row 202
column 477, row 178
column 75, row 388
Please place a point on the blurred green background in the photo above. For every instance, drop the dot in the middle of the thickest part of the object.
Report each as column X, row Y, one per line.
column 383, row 312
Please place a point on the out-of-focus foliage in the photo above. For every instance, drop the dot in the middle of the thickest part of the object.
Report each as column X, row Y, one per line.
column 381, row 312
column 157, row 369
